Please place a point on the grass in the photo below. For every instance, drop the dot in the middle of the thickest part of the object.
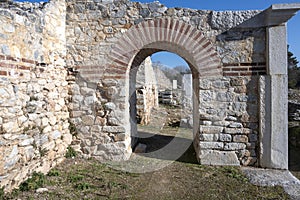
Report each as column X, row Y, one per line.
column 90, row 179
column 71, row 153
column 54, row 172
column 2, row 193
column 36, row 181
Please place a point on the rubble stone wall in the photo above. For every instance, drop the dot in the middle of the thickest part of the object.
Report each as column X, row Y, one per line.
column 107, row 40
column 34, row 127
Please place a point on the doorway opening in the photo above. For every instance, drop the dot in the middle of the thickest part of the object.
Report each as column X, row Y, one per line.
column 162, row 107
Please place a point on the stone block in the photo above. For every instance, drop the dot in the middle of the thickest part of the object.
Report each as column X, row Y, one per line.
column 211, row 145
column 13, row 158
column 237, row 82
column 234, row 146
column 239, row 107
column 110, row 106
column 209, row 137
column 40, row 139
column 211, row 129
column 119, row 137
column 235, row 125
column 221, row 123
column 221, row 84
column 206, row 123
column 205, row 84
column 140, row 148
column 26, row 142
column 100, row 121
column 234, row 130
column 225, row 137
column 48, row 146
column 88, row 120
column 213, row 157
column 11, row 127
column 206, row 95
column 113, row 129
column 240, row 89
column 253, row 137
column 225, row 97
column 240, row 138
column 67, row 138
column 56, row 134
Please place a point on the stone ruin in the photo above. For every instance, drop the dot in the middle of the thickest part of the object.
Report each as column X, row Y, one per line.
column 146, row 92
column 72, row 65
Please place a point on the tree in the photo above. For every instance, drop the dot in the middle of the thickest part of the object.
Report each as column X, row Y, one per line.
column 292, row 60
column 293, row 71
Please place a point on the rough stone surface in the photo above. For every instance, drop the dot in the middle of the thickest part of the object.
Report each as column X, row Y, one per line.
column 140, row 148
column 33, row 90
column 68, row 67
column 146, row 91
column 212, row 157
column 271, row 177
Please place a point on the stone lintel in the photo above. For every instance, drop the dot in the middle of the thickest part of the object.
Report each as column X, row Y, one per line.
column 278, row 14
column 275, row 15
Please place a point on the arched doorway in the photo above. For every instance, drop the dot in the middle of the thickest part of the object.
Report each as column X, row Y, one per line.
column 162, row 109
column 154, row 36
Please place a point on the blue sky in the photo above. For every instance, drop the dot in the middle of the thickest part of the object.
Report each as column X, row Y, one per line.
column 293, row 24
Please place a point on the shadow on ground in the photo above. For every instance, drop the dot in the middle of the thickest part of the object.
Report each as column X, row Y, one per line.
column 294, row 150
column 160, row 146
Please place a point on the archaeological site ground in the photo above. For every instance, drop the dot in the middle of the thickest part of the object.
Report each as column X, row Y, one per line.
column 69, row 76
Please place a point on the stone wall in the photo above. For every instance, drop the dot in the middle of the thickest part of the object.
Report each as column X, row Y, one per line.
column 34, row 127
column 73, row 64
column 94, row 33
column 146, row 91
column 229, row 120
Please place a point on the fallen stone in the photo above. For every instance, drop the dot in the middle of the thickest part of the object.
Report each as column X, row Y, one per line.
column 140, row 148
column 41, row 190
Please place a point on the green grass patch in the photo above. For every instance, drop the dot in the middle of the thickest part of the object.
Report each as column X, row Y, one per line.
column 54, row 172
column 2, row 193
column 71, row 153
column 36, row 181
column 75, row 178
column 83, row 186
column 235, row 173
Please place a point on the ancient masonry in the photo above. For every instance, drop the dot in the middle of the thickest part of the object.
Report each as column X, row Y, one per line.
column 71, row 65
column 146, row 91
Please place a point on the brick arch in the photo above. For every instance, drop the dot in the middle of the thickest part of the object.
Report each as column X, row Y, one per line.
column 165, row 34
